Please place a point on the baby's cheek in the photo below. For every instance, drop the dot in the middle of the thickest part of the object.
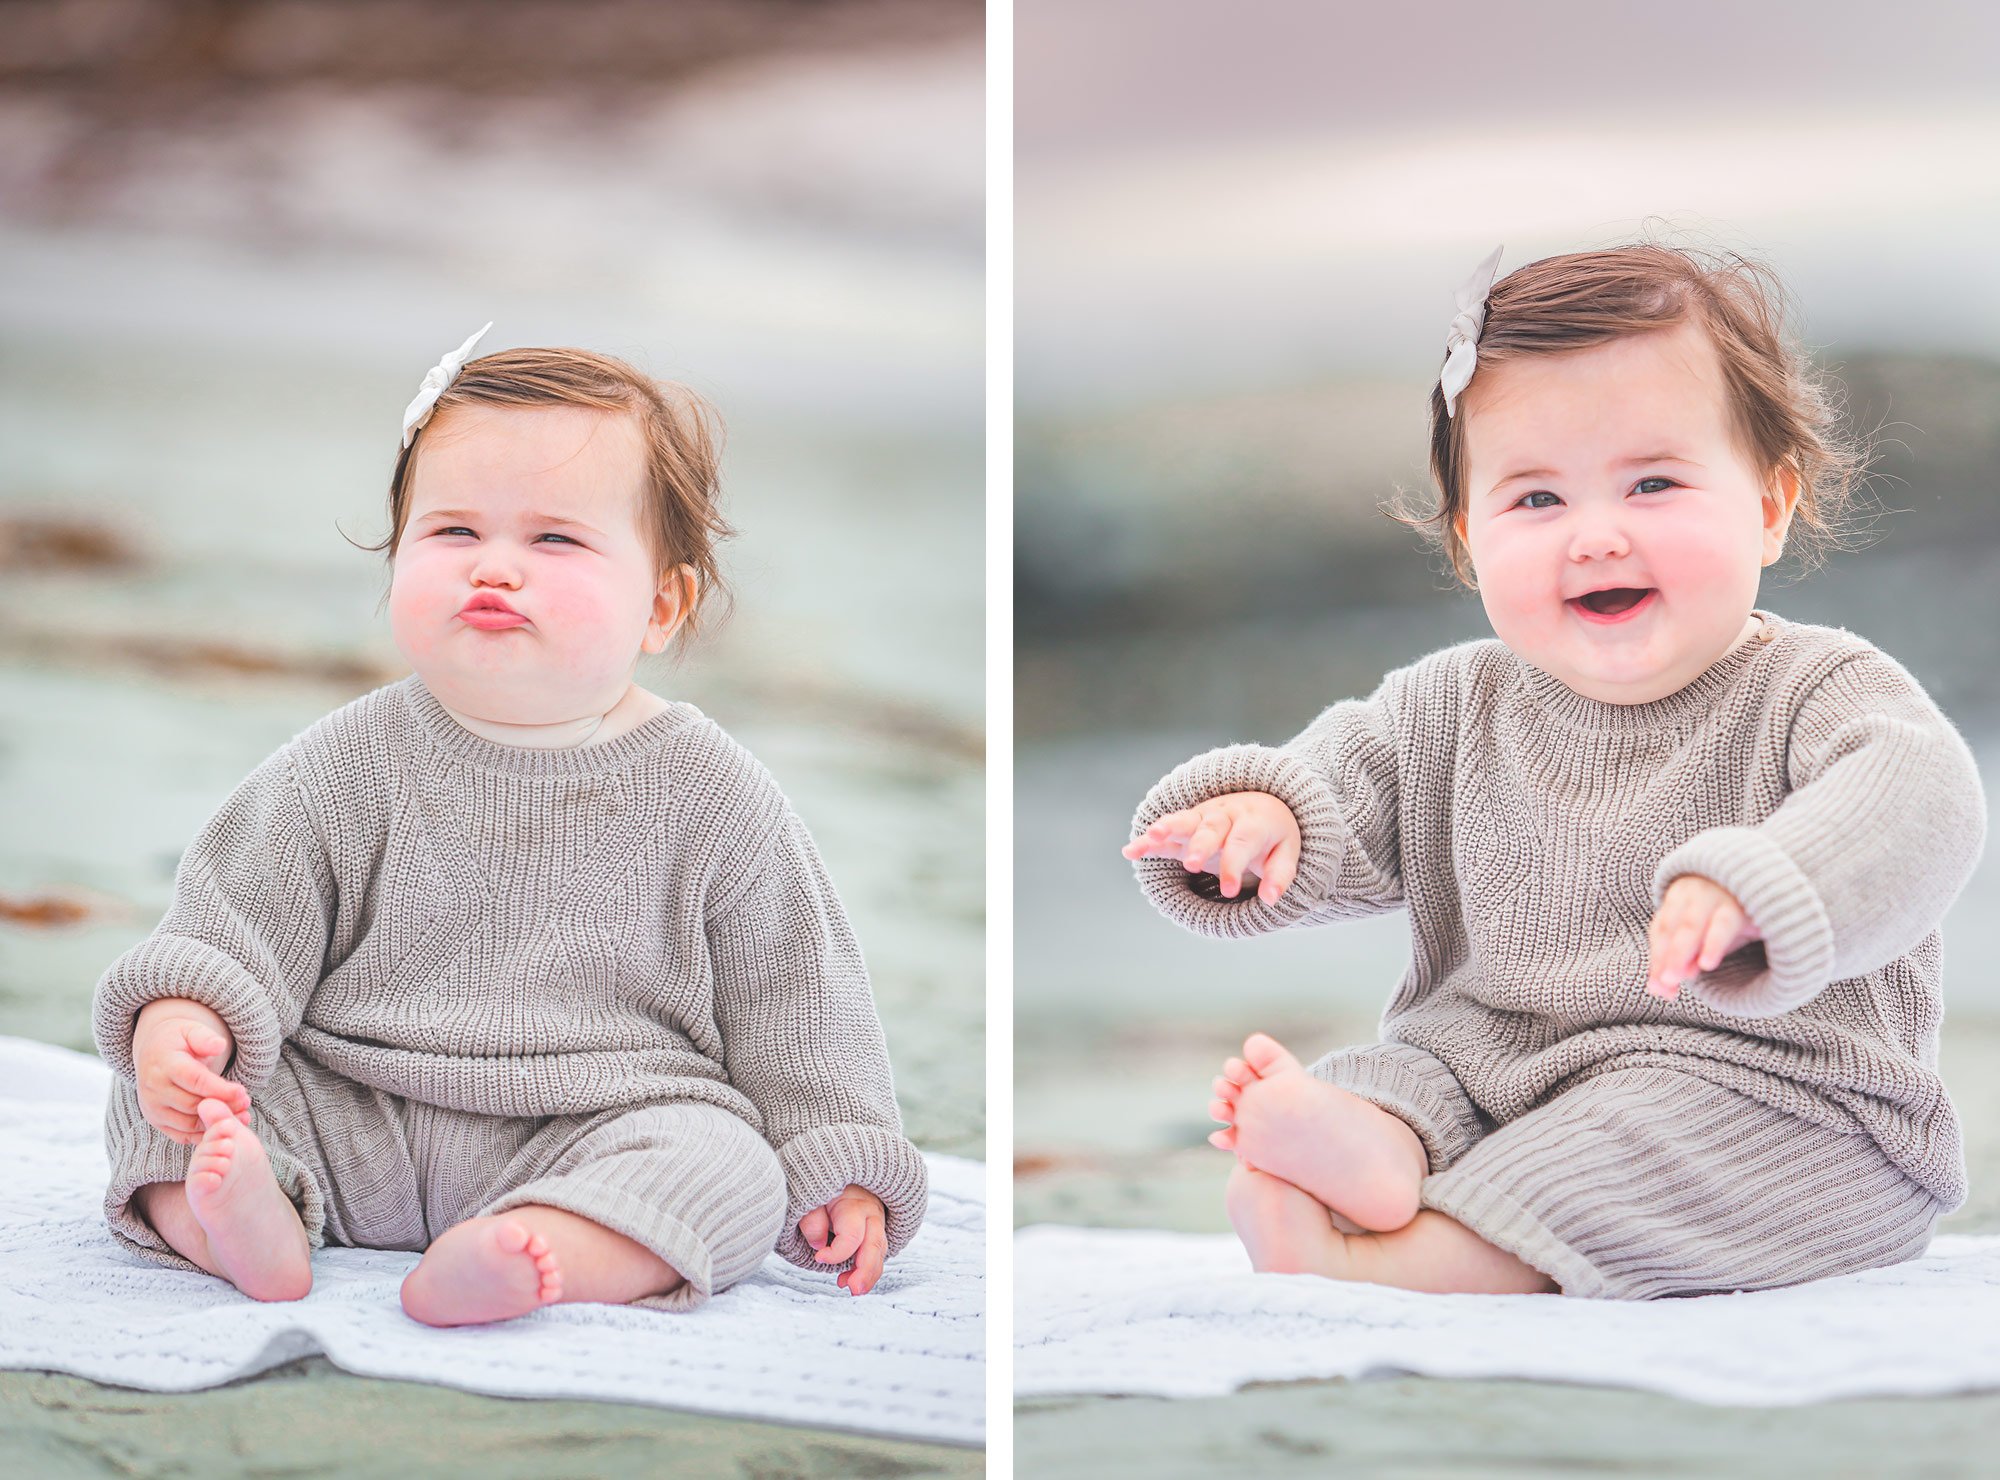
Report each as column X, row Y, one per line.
column 577, row 607
column 416, row 610
column 1520, row 585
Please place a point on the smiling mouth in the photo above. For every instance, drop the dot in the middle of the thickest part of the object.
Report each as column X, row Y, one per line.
column 1610, row 603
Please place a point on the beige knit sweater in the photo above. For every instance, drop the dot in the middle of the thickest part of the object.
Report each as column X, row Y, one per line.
column 1531, row 833
column 522, row 932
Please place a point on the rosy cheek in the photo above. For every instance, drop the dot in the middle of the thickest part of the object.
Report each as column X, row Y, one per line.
column 1513, row 567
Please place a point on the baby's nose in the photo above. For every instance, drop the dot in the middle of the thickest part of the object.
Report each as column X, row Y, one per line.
column 1599, row 539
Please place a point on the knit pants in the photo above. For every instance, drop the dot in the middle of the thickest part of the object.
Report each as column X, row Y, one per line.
column 1649, row 1181
column 367, row 1169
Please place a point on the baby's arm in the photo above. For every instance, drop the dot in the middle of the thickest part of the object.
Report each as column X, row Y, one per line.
column 1337, row 781
column 246, row 934
column 1880, row 832
column 802, row 1040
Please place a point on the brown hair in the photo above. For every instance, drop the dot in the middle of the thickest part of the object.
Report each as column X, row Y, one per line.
column 678, row 517
column 1785, row 410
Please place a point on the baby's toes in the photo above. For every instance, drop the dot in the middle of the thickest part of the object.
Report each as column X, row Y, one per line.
column 511, row 1237
column 1225, row 1090
column 1221, row 1110
column 1238, row 1072
column 1268, row 1056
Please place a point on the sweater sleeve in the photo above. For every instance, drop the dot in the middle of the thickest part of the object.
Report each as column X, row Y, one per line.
column 801, row 1038
column 245, row 935
column 1879, row 833
column 1339, row 779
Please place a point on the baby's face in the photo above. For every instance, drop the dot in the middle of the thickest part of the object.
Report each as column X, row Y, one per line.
column 1617, row 466
column 491, row 492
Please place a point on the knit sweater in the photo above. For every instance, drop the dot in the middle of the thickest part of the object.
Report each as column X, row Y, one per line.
column 1531, row 833
column 533, row 932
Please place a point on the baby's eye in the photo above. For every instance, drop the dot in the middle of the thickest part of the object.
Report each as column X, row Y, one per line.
column 1538, row 493
column 1665, row 484
column 461, row 529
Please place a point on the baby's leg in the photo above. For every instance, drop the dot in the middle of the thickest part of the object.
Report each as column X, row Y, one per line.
column 1647, row 1181
column 507, row 1264
column 1357, row 1160
column 662, row 1205
column 230, row 1216
column 1288, row 1231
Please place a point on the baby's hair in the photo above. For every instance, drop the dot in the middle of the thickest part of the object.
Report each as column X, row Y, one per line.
column 679, row 515
column 1786, row 409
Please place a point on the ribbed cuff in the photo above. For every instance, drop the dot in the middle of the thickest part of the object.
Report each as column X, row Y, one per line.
column 820, row 1162
column 1783, row 904
column 180, row 966
column 1413, row 1086
column 1323, row 840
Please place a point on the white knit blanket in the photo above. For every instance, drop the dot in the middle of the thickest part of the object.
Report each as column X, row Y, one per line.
column 1182, row 1316
column 905, row 1360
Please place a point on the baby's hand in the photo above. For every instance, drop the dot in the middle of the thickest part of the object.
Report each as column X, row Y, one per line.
column 857, row 1219
column 178, row 1050
column 1228, row 836
column 1699, row 922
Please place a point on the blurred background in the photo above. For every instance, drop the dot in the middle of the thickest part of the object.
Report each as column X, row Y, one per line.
column 1239, row 230
column 234, row 236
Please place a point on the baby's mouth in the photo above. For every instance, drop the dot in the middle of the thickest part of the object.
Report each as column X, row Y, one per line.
column 1610, row 603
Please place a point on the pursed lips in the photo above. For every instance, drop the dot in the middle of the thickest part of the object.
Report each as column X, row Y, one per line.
column 490, row 614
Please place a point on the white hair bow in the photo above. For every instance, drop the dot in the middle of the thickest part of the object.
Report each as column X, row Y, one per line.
column 1461, row 341
column 436, row 381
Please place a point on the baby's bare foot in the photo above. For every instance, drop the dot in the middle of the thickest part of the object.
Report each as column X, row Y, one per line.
column 1286, row 1231
column 1359, row 1161
column 484, row 1269
column 254, row 1232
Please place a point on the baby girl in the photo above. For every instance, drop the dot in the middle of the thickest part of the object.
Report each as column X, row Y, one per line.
column 512, row 961
column 1674, row 866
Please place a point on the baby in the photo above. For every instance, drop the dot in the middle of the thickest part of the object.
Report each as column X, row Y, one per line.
column 1674, row 866
column 522, row 965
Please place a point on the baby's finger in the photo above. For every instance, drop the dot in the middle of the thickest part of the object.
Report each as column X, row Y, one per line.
column 848, row 1229
column 867, row 1261
column 1206, row 841
column 205, row 1084
column 1677, row 957
column 1243, row 849
column 1281, row 868
column 178, row 1124
column 1170, row 833
column 813, row 1227
column 1721, row 930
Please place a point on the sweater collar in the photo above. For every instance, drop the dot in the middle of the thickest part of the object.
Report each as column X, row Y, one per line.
column 1684, row 707
column 614, row 754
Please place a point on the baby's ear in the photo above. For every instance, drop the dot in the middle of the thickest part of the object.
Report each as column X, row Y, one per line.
column 673, row 605
column 1781, row 499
